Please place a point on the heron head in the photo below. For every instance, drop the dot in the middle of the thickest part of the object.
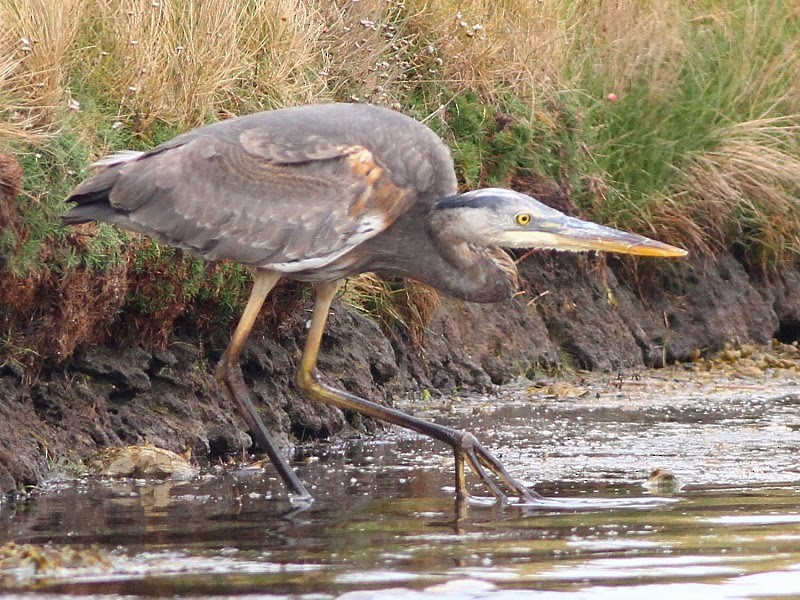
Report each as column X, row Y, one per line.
column 500, row 217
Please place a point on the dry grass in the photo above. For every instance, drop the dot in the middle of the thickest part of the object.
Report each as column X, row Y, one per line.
column 537, row 48
column 482, row 46
column 749, row 183
column 35, row 39
column 398, row 304
column 19, row 119
column 183, row 62
column 623, row 42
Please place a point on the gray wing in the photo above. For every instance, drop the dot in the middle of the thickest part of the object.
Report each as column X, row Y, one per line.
column 238, row 195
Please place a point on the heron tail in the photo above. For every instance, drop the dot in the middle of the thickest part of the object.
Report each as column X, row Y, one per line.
column 91, row 199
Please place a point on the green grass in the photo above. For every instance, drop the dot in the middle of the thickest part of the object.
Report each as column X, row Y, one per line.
column 499, row 141
column 739, row 64
column 50, row 172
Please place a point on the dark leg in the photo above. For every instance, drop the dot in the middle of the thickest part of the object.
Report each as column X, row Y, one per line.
column 466, row 447
column 229, row 374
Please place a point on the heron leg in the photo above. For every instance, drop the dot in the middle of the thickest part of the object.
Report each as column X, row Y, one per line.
column 229, row 374
column 465, row 446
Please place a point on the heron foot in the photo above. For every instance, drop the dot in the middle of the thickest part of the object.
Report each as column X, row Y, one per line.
column 484, row 464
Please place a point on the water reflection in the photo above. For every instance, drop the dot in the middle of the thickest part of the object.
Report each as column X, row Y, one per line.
column 384, row 526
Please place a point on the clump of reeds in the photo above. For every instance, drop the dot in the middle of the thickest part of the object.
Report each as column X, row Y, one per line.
column 692, row 116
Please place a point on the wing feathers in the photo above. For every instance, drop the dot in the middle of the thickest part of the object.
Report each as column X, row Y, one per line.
column 249, row 200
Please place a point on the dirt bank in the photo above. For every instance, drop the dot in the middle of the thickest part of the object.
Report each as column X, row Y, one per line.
column 582, row 311
column 579, row 311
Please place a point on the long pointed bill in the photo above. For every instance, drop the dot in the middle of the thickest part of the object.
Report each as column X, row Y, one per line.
column 560, row 232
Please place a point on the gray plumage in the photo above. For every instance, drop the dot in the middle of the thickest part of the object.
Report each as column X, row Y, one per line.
column 322, row 192
column 277, row 189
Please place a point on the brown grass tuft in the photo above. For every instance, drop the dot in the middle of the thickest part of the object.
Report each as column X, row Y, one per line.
column 394, row 304
column 52, row 314
column 35, row 40
column 626, row 41
column 746, row 188
column 10, row 181
column 482, row 44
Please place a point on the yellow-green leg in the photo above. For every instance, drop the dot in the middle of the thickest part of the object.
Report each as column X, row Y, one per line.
column 229, row 374
column 465, row 446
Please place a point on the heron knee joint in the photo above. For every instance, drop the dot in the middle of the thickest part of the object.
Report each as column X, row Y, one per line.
column 225, row 370
column 306, row 380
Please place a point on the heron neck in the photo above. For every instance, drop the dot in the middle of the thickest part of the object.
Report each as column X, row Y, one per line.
column 440, row 257
column 475, row 273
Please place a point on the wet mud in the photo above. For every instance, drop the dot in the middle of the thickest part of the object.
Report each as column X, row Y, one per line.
column 576, row 312
column 384, row 523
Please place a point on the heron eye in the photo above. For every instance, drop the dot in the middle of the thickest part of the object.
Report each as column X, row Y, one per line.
column 523, row 218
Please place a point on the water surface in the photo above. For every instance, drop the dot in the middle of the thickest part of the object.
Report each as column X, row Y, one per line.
column 384, row 524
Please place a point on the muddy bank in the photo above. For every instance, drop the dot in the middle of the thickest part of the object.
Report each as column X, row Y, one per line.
column 579, row 311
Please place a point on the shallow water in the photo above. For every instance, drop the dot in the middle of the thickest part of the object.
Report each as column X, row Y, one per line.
column 384, row 525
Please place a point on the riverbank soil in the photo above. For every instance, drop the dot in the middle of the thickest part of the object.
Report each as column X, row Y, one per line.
column 581, row 312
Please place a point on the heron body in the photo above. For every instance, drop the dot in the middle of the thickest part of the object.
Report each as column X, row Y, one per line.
column 322, row 192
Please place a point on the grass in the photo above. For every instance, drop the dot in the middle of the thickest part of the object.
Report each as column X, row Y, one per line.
column 678, row 120
column 720, row 88
column 396, row 305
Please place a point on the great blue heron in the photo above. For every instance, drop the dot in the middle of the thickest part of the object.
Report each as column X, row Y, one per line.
column 323, row 192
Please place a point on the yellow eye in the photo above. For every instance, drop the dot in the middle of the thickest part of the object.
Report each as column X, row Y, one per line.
column 523, row 219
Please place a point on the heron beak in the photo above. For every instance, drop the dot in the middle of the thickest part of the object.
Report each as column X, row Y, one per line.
column 570, row 234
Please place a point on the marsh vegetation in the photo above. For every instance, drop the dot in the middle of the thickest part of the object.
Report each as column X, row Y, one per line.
column 678, row 120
